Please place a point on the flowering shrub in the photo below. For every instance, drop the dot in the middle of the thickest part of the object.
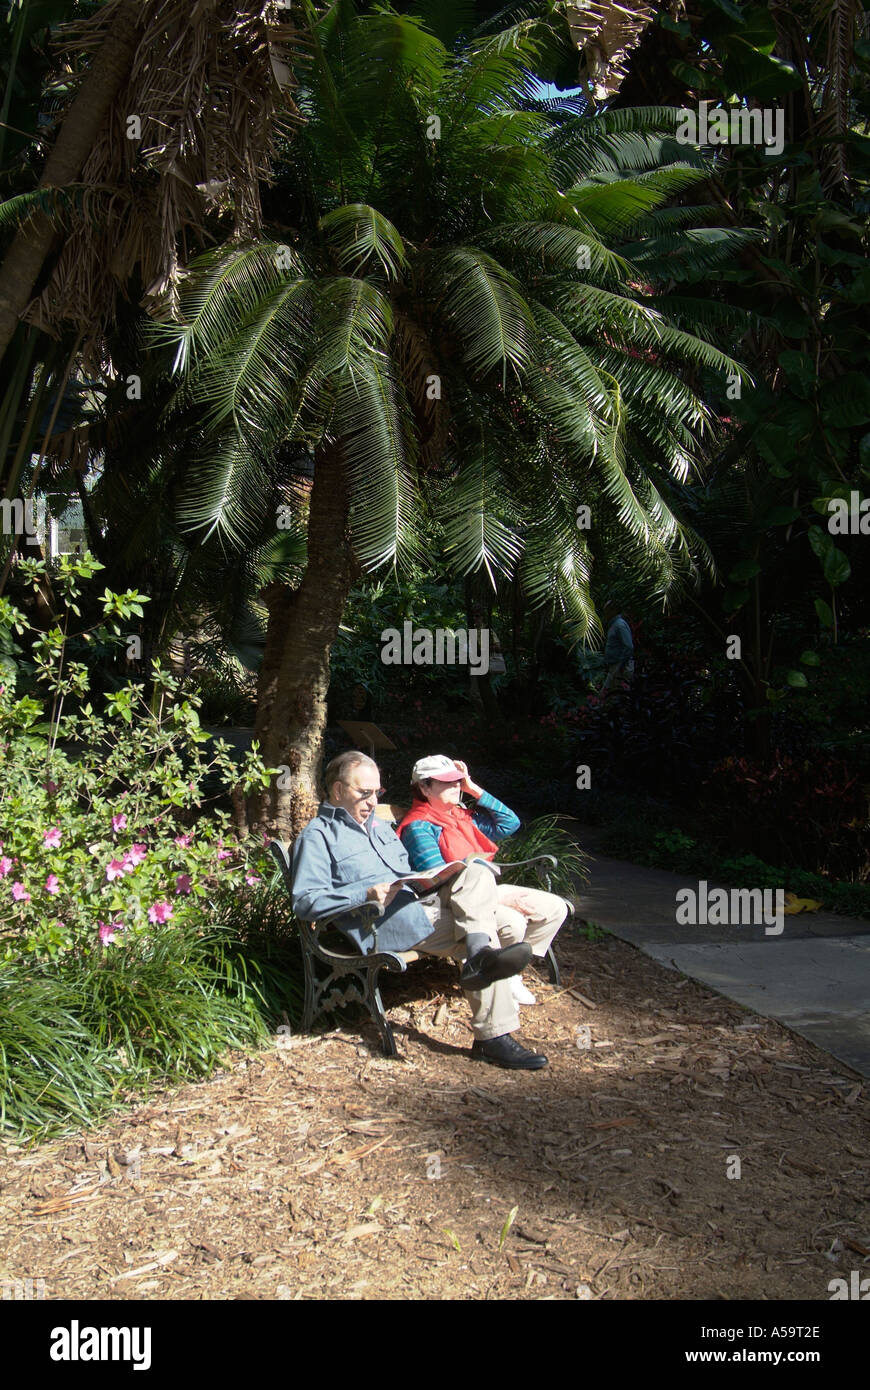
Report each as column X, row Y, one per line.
column 106, row 832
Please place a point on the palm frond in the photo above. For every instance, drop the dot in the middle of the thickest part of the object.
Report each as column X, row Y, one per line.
column 555, row 246
column 247, row 378
column 483, row 307
column 691, row 254
column 225, row 492
column 217, row 294
column 612, row 204
column 586, row 308
column 359, row 235
column 372, row 420
column 478, row 511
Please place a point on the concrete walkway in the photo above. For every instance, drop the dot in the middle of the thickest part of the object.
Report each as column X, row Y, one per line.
column 814, row 977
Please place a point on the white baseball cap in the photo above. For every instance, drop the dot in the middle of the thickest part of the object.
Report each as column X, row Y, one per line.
column 442, row 768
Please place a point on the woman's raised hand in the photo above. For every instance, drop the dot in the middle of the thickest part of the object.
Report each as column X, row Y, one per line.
column 466, row 784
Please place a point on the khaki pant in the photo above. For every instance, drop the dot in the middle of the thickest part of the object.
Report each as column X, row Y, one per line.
column 474, row 901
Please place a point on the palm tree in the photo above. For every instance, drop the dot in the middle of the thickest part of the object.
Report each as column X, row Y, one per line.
column 154, row 121
column 450, row 303
column 173, row 118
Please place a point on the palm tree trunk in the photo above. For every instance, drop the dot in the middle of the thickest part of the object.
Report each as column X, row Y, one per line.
column 79, row 131
column 294, row 677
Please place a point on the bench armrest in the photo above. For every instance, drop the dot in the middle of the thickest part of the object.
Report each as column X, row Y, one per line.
column 368, row 912
column 523, row 863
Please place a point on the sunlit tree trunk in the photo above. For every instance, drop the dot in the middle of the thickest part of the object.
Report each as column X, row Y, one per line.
column 294, row 677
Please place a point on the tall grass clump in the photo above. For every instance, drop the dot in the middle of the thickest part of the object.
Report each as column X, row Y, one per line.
column 83, row 1034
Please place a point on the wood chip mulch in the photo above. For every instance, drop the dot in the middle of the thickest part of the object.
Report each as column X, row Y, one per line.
column 319, row 1169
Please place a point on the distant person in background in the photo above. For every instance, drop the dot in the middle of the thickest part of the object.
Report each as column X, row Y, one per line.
column 482, row 693
column 618, row 648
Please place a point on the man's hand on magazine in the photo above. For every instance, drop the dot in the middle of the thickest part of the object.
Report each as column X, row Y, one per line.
column 382, row 893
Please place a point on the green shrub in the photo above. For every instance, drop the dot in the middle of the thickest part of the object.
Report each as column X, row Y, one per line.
column 546, row 836
column 80, row 1034
column 633, row 835
column 803, row 811
column 107, row 827
column 139, row 937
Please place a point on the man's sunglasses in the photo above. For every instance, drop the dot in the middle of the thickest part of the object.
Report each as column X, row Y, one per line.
column 364, row 795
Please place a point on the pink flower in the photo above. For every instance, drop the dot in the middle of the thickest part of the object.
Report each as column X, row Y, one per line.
column 183, row 841
column 182, row 883
column 119, row 822
column 51, row 838
column 115, row 870
column 51, row 884
column 224, row 854
column 5, row 866
column 20, row 893
column 253, row 878
column 107, row 931
column 134, row 855
column 159, row 912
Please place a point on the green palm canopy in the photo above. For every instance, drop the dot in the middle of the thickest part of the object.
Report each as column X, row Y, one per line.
column 459, row 316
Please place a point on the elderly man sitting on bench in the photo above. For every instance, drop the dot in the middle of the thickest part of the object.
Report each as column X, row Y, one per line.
column 348, row 856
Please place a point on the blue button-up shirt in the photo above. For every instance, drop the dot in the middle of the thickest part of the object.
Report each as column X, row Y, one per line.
column 336, row 860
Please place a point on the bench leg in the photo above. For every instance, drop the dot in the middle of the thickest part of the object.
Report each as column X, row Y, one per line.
column 553, row 964
column 376, row 1008
column 311, row 992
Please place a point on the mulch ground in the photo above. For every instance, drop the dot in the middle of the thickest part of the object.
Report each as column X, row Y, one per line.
column 319, row 1169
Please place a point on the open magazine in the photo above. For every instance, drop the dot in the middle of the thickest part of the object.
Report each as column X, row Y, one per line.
column 432, row 879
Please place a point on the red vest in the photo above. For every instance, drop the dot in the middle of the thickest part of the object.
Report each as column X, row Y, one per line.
column 459, row 835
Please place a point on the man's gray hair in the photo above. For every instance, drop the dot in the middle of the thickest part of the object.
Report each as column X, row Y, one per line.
column 337, row 770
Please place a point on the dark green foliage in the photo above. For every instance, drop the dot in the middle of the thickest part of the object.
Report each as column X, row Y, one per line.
column 802, row 811
column 547, row 836
column 633, row 831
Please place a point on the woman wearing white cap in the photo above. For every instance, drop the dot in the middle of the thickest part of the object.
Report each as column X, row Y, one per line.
column 439, row 829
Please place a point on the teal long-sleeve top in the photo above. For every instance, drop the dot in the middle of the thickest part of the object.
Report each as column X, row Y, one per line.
column 422, row 839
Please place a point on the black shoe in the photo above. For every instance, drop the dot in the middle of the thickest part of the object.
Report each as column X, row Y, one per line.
column 488, row 965
column 507, row 1052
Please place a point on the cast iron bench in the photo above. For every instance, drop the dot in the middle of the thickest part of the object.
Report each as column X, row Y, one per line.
column 352, row 976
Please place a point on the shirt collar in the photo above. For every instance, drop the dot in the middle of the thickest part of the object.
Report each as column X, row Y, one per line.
column 339, row 813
